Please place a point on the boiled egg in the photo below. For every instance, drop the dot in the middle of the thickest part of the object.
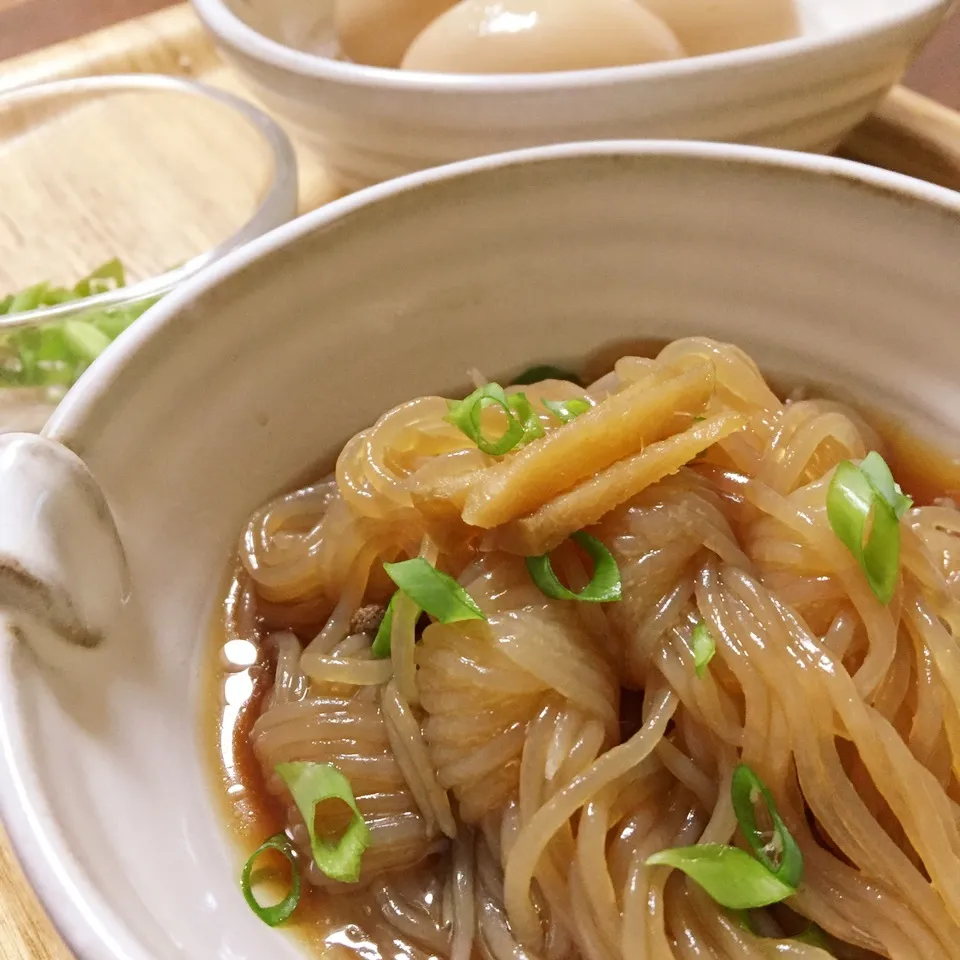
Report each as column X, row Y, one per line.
column 534, row 36
column 711, row 26
column 378, row 32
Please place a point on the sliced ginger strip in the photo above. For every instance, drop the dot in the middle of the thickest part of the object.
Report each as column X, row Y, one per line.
column 654, row 407
column 584, row 505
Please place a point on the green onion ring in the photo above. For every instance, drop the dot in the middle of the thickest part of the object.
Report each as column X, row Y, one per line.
column 604, row 586
column 275, row 915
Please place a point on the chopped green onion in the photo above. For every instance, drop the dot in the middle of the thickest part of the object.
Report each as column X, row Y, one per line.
column 523, row 424
column 566, row 410
column 730, row 875
column 435, row 592
column 29, row 299
column 545, row 372
column 786, row 864
column 311, row 784
column 275, row 915
column 381, row 642
column 108, row 276
column 85, row 339
column 703, row 646
column 604, row 586
column 523, row 409
column 465, row 415
column 56, row 353
column 862, row 498
column 875, row 469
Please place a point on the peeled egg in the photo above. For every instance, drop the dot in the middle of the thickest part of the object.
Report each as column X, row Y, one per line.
column 711, row 26
column 378, row 32
column 534, row 36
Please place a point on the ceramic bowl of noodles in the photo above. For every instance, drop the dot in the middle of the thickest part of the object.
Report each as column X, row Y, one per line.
column 551, row 556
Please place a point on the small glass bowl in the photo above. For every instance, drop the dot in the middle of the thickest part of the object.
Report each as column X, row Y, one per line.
column 164, row 174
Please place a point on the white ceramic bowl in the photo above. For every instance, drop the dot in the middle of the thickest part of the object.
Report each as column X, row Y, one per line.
column 230, row 388
column 373, row 124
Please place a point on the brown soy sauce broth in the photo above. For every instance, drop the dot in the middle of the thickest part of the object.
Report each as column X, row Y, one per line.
column 238, row 675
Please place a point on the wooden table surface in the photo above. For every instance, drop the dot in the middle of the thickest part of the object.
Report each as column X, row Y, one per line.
column 27, row 25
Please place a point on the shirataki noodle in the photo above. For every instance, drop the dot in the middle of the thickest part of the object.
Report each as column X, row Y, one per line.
column 515, row 773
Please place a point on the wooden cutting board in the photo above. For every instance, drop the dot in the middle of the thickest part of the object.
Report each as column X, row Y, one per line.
column 908, row 133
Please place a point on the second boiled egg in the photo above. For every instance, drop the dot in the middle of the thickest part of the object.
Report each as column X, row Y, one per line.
column 711, row 26
column 535, row 36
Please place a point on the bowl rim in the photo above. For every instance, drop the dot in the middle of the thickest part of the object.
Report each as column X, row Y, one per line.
column 90, row 926
column 277, row 205
column 235, row 33
column 66, row 425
